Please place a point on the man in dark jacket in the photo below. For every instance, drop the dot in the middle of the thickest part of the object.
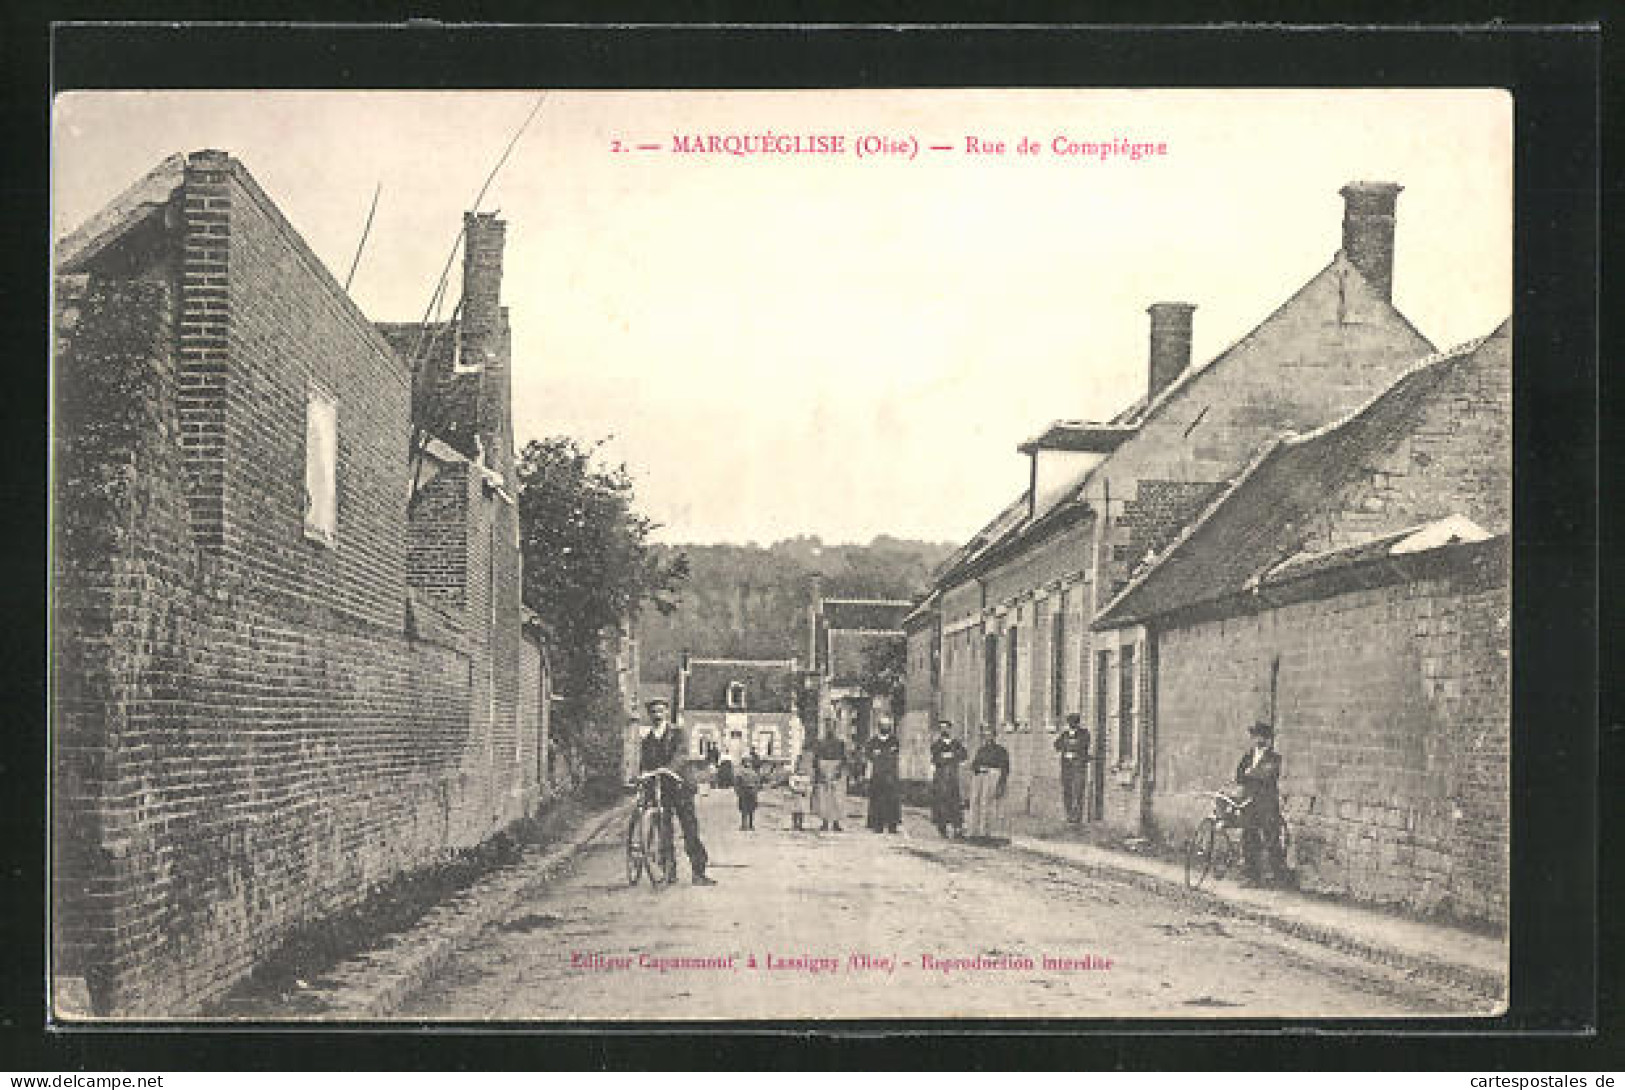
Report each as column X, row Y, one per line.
column 1073, row 746
column 1259, row 775
column 947, row 809
column 661, row 746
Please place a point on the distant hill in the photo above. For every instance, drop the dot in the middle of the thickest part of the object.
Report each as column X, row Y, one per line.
column 750, row 601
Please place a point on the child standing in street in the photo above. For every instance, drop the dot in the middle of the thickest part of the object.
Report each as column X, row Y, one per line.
column 747, row 786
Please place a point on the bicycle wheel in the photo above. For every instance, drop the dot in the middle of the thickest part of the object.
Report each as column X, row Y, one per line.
column 669, row 851
column 1199, row 854
column 1224, row 853
column 654, row 850
column 634, row 850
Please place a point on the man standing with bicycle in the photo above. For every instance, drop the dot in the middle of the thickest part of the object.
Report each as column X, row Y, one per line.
column 1259, row 775
column 661, row 746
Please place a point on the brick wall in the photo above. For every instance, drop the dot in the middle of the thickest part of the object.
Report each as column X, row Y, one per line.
column 250, row 730
column 918, row 725
column 1393, row 718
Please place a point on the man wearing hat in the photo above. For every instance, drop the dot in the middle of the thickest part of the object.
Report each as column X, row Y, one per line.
column 661, row 746
column 1259, row 775
column 1073, row 746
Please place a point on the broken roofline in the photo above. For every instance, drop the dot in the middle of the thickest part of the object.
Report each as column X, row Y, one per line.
column 1106, row 619
column 1285, row 584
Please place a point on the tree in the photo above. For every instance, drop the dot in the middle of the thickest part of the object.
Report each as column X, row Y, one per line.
column 885, row 669
column 589, row 571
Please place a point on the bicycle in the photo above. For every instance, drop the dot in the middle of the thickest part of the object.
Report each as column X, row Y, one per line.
column 649, row 847
column 1211, row 850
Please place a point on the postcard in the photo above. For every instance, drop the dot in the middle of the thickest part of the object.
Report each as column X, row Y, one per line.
column 609, row 557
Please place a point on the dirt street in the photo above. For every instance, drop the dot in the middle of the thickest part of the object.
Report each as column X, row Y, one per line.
column 861, row 925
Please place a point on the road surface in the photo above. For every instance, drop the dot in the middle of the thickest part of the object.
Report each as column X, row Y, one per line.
column 859, row 925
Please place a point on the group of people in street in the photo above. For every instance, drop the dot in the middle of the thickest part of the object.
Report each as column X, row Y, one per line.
column 980, row 819
column 818, row 781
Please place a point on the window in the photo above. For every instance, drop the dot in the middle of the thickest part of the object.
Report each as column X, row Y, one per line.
column 1057, row 666
column 736, row 695
column 321, row 467
column 1125, row 706
column 990, row 681
column 1012, row 683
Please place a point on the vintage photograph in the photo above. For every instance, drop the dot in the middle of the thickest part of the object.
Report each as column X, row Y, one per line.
column 623, row 557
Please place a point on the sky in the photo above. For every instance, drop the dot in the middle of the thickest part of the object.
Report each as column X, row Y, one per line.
column 843, row 345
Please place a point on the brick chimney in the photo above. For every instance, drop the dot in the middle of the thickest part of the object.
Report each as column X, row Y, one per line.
column 1368, row 231
column 484, row 331
column 1170, row 343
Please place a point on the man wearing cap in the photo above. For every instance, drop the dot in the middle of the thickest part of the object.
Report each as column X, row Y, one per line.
column 662, row 747
column 1259, row 775
column 1073, row 746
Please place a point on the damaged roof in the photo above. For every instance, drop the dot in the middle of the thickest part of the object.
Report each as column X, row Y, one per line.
column 1262, row 518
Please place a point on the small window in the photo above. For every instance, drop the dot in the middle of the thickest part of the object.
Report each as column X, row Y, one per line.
column 321, row 467
column 736, row 695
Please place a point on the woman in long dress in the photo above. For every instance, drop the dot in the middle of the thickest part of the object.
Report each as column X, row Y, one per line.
column 828, row 790
column 990, row 769
column 885, row 788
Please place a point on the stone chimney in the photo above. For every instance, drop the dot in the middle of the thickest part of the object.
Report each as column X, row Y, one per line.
column 484, row 332
column 1170, row 344
column 1368, row 231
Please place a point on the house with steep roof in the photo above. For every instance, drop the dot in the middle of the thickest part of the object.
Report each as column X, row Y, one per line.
column 740, row 706
column 1350, row 587
column 1014, row 607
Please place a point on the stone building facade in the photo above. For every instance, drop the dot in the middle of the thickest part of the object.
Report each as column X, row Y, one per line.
column 289, row 655
column 1053, row 608
column 1016, row 602
column 1352, row 589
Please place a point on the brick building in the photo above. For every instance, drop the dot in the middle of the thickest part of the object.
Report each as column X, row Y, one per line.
column 1352, row 588
column 289, row 655
column 1014, row 605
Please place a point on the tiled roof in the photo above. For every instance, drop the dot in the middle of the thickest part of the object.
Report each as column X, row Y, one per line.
column 1262, row 518
column 1003, row 525
column 867, row 615
column 1160, row 510
column 770, row 684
